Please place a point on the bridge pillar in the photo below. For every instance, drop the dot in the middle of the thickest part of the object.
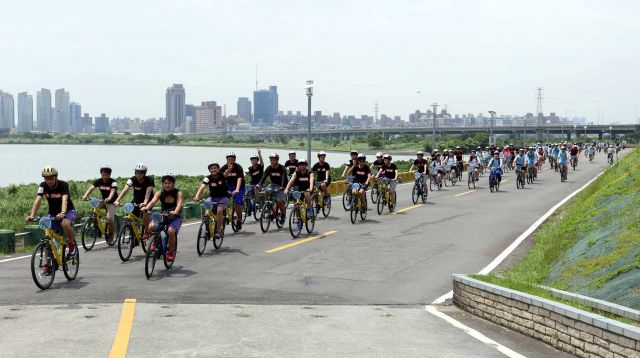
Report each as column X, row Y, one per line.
column 600, row 135
column 568, row 136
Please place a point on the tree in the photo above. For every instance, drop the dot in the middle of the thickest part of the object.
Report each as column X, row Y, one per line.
column 375, row 140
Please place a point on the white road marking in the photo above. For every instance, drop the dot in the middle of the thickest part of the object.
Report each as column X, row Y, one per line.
column 473, row 333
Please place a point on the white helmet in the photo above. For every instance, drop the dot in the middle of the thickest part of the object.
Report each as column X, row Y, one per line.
column 140, row 167
column 321, row 153
column 231, row 154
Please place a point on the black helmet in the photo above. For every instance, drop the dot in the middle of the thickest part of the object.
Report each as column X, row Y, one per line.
column 361, row 156
column 214, row 164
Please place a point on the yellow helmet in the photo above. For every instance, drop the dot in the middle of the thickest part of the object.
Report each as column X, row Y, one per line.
column 49, row 171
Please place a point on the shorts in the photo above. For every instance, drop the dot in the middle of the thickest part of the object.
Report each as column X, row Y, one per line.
column 55, row 225
column 393, row 184
column 365, row 187
column 222, row 201
column 239, row 198
column 176, row 223
column 111, row 210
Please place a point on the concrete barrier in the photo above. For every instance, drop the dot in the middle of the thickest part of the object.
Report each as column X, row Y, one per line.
column 7, row 241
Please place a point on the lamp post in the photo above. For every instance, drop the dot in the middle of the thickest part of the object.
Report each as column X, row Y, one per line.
column 433, row 136
column 585, row 131
column 611, row 132
column 493, row 118
column 309, row 88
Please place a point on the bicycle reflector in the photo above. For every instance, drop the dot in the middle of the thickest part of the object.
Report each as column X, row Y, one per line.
column 297, row 195
column 207, row 205
column 94, row 202
column 128, row 207
column 45, row 223
column 356, row 186
column 157, row 218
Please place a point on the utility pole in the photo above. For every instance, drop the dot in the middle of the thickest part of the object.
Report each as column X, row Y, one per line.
column 309, row 88
column 433, row 140
column 375, row 111
column 491, row 123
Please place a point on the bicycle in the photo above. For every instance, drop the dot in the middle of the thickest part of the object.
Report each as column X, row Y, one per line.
column 472, row 177
column 208, row 225
column 96, row 226
column 131, row 233
column 494, row 184
column 231, row 216
column 574, row 162
column 563, row 173
column 318, row 200
column 529, row 174
column 418, row 191
column 252, row 206
column 435, row 183
column 375, row 188
column 447, row 175
column 299, row 216
column 384, row 197
column 356, row 206
column 519, row 177
column 348, row 194
column 270, row 210
column 157, row 244
column 52, row 252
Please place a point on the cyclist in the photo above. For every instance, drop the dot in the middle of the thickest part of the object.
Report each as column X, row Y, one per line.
column 506, row 155
column 348, row 165
column 235, row 180
column 361, row 175
column 378, row 162
column 302, row 180
column 519, row 162
column 109, row 190
column 531, row 161
column 563, row 159
column 474, row 163
column 574, row 153
column 459, row 154
column 60, row 207
column 170, row 199
column 255, row 171
column 592, row 151
column 323, row 175
column 494, row 164
column 277, row 174
column 450, row 160
column 292, row 163
column 434, row 153
column 421, row 166
column 142, row 189
column 610, row 151
column 439, row 166
column 218, row 193
column 390, row 171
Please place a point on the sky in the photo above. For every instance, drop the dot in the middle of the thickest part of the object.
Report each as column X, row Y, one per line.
column 119, row 57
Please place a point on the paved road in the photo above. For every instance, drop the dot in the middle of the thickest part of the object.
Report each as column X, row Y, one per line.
column 404, row 259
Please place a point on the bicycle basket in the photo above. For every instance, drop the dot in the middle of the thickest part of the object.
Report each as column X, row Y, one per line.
column 418, row 175
column 350, row 179
column 447, row 168
column 469, row 169
column 316, row 185
column 434, row 171
column 385, row 180
column 248, row 188
column 272, row 187
column 157, row 218
column 128, row 208
column 297, row 195
column 208, row 205
column 45, row 223
column 94, row 202
column 357, row 186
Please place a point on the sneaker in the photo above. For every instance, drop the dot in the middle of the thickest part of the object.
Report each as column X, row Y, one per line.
column 216, row 236
column 282, row 219
column 171, row 256
column 72, row 248
column 46, row 270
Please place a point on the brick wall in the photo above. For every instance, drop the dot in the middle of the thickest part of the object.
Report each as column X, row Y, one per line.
column 569, row 329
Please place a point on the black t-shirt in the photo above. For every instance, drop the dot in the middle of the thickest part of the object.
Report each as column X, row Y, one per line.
column 217, row 185
column 420, row 164
column 140, row 189
column 256, row 173
column 459, row 154
column 278, row 175
column 361, row 174
column 232, row 178
column 105, row 188
column 323, row 170
column 54, row 196
column 291, row 165
column 169, row 199
column 303, row 180
column 378, row 163
column 389, row 170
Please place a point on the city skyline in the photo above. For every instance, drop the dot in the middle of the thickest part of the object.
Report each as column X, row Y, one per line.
column 474, row 56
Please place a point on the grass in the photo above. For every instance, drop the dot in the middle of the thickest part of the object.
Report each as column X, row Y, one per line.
column 590, row 244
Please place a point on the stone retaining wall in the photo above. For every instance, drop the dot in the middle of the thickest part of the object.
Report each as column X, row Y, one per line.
column 572, row 330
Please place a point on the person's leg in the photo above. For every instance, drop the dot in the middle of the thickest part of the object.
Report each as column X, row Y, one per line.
column 68, row 232
column 219, row 217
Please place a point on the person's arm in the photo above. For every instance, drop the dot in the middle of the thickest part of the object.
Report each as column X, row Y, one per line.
column 63, row 207
column 35, row 207
column 147, row 195
column 366, row 183
column 88, row 192
column 290, row 183
column 153, row 202
column 396, row 172
column 238, row 183
column 348, row 171
column 112, row 193
column 178, row 208
column 199, row 192
column 260, row 157
column 122, row 194
column 328, row 176
column 311, row 179
column 265, row 173
column 411, row 169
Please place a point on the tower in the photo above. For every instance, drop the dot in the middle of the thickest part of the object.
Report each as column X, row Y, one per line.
column 375, row 110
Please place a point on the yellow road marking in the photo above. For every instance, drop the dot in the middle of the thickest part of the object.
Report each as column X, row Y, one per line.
column 465, row 193
column 300, row 242
column 121, row 342
column 407, row 209
column 504, row 181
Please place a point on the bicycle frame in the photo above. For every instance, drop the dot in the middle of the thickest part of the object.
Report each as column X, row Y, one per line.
column 98, row 214
column 53, row 238
column 137, row 223
column 300, row 204
column 210, row 216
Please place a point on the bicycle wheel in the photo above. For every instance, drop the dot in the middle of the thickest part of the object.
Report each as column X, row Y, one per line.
column 70, row 263
column 38, row 261
column 363, row 209
column 392, row 202
column 110, row 238
column 425, row 193
column 277, row 218
column 518, row 184
column 380, row 204
column 89, row 233
column 326, row 208
column 310, row 224
column 265, row 217
column 152, row 255
column 432, row 184
column 295, row 222
column 446, row 179
column 415, row 193
column 374, row 193
column 497, row 185
column 203, row 236
column 257, row 211
column 125, row 242
column 217, row 243
column 346, row 199
column 247, row 209
column 234, row 218
column 169, row 264
column 453, row 179
column 354, row 210
column 470, row 180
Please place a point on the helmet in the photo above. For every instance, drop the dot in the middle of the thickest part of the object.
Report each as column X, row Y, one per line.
column 49, row 171
column 457, row 147
column 254, row 157
column 353, row 152
column 105, row 168
column 446, row 150
column 302, row 162
column 479, row 148
column 292, row 152
column 141, row 167
column 170, row 177
column 362, row 156
column 213, row 164
column 386, row 156
column 274, row 155
column 420, row 153
column 231, row 154
column 321, row 153
column 378, row 155
column 522, row 149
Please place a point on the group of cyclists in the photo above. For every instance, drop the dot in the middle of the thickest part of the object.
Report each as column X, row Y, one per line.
column 226, row 183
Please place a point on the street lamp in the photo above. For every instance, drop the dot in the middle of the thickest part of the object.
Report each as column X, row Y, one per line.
column 585, row 131
column 493, row 118
column 309, row 88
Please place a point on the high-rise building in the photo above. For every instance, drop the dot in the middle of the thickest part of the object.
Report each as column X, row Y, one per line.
column 25, row 112
column 265, row 105
column 205, row 117
column 87, row 124
column 176, row 108
column 75, row 115
column 43, row 102
column 61, row 124
column 102, row 124
column 7, row 119
column 244, row 108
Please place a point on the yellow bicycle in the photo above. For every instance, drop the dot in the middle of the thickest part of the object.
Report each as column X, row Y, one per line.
column 298, row 216
column 96, row 226
column 320, row 202
column 131, row 233
column 208, row 226
column 51, row 254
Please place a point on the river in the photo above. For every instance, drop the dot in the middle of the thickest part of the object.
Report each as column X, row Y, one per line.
column 22, row 162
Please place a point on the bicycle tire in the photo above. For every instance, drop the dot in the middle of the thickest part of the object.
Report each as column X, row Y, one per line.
column 150, row 260
column 125, row 242
column 432, row 184
column 380, row 204
column 295, row 222
column 278, row 214
column 310, row 224
column 246, row 209
column 257, row 211
column 374, row 193
column 203, row 237
column 415, row 192
column 346, row 199
column 89, row 234
column 326, row 208
column 392, row 203
column 470, row 180
column 234, row 218
column 353, row 213
column 363, row 209
column 37, row 261
column 169, row 264
column 70, row 264
column 497, row 185
column 265, row 217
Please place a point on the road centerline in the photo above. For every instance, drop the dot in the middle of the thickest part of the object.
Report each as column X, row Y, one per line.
column 407, row 209
column 121, row 341
column 296, row 243
column 465, row 193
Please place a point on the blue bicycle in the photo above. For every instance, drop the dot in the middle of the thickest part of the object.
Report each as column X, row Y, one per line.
column 494, row 184
column 419, row 190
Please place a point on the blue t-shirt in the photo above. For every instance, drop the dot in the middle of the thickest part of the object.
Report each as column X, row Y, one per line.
column 563, row 157
column 531, row 157
column 519, row 160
